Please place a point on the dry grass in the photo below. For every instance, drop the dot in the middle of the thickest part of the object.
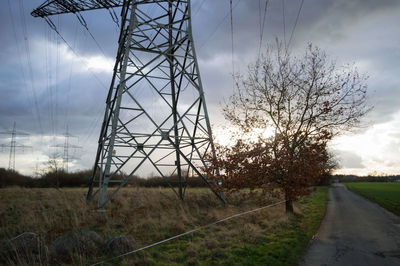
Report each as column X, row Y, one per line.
column 146, row 215
column 142, row 213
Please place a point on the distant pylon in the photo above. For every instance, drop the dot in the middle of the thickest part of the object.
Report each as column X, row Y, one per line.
column 13, row 145
column 156, row 115
column 66, row 147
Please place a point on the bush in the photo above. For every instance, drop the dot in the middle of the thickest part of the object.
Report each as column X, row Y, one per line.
column 13, row 178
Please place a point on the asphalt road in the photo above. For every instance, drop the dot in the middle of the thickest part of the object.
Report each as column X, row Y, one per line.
column 355, row 232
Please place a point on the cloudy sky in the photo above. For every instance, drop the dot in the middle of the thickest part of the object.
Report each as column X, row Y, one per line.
column 45, row 87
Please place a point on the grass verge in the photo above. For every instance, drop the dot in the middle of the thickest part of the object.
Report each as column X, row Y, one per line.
column 385, row 194
column 247, row 241
column 267, row 237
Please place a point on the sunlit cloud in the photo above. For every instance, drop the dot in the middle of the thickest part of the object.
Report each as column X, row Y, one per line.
column 378, row 147
column 45, row 50
column 96, row 63
column 99, row 63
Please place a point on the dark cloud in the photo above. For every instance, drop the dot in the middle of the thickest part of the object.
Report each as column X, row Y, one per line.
column 364, row 32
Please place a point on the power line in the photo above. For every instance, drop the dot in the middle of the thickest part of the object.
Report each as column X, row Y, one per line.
column 199, row 8
column 259, row 14
column 219, row 24
column 49, row 77
column 28, row 57
column 233, row 61
column 85, row 25
column 295, row 24
column 29, row 96
column 53, row 27
column 70, row 79
column 57, row 75
column 263, row 26
column 52, row 73
column 284, row 22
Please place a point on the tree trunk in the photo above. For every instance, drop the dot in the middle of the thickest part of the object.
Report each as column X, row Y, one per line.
column 289, row 206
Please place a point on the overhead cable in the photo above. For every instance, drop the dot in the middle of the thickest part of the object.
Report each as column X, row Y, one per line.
column 30, row 69
column 295, row 24
column 233, row 61
column 85, row 25
column 284, row 23
column 53, row 27
column 262, row 25
column 22, row 72
column 199, row 8
column 219, row 25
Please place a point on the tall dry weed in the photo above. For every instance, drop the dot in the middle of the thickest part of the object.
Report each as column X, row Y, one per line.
column 146, row 215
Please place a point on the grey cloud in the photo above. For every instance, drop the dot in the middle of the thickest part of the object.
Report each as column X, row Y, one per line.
column 336, row 26
column 349, row 159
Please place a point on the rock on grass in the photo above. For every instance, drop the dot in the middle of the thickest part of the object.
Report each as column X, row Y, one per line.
column 82, row 241
column 119, row 244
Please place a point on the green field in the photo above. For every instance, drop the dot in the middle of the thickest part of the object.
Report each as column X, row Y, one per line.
column 267, row 237
column 386, row 194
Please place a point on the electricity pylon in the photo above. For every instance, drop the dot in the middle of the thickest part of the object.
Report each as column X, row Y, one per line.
column 66, row 147
column 156, row 115
column 13, row 145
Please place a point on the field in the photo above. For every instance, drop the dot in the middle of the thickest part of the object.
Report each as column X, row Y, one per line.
column 267, row 237
column 385, row 194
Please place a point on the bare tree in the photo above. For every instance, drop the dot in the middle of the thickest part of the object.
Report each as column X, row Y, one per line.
column 306, row 101
column 53, row 167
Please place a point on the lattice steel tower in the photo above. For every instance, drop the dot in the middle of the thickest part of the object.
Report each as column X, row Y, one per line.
column 14, row 134
column 156, row 115
column 67, row 146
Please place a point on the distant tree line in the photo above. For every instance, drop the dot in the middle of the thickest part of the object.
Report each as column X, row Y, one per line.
column 9, row 178
column 49, row 179
column 61, row 178
column 368, row 178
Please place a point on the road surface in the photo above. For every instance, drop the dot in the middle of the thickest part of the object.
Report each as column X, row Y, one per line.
column 354, row 232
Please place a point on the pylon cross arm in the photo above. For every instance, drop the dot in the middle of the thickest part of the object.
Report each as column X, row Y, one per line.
column 55, row 7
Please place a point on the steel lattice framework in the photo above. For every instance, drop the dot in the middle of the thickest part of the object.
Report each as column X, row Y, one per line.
column 155, row 110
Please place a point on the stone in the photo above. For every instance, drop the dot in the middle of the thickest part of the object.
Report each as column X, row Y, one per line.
column 119, row 244
column 82, row 241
